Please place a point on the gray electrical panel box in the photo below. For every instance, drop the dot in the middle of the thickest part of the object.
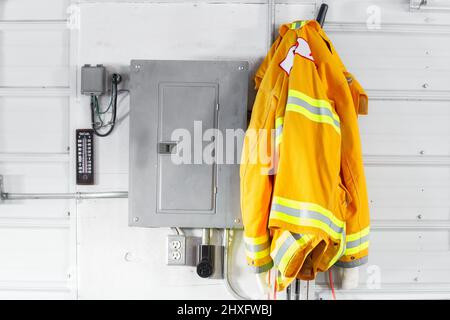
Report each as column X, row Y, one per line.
column 93, row 79
column 173, row 105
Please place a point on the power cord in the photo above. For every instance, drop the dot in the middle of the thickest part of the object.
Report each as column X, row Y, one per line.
column 98, row 122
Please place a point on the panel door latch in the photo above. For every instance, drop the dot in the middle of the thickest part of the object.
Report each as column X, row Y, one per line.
column 167, row 147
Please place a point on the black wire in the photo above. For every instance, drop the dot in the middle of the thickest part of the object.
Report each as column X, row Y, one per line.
column 95, row 104
column 297, row 289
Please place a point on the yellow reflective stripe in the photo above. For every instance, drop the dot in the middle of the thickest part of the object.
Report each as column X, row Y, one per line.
column 279, row 122
column 313, row 117
column 279, row 242
column 298, row 24
column 314, row 216
column 262, row 268
column 297, row 245
column 305, row 222
column 358, row 235
column 340, row 251
column 286, row 257
column 314, row 102
column 257, row 240
column 258, row 254
column 355, row 250
column 258, row 262
column 353, row 263
column 308, row 206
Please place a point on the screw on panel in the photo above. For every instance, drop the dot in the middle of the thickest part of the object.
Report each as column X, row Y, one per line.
column 136, row 219
column 425, row 85
column 137, row 67
column 129, row 257
column 237, row 220
column 241, row 68
column 422, row 152
column 419, row 216
column 2, row 194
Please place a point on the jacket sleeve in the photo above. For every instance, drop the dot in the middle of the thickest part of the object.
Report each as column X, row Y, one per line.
column 351, row 101
column 358, row 223
column 360, row 99
column 354, row 102
column 257, row 181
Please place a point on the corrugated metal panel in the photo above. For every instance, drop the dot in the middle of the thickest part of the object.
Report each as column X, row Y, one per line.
column 37, row 242
column 403, row 65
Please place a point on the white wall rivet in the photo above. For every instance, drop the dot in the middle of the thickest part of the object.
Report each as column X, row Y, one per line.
column 237, row 220
column 422, row 152
column 129, row 256
column 425, row 85
column 136, row 219
column 241, row 68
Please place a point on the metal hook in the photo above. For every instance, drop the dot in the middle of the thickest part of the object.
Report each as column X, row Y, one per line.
column 322, row 14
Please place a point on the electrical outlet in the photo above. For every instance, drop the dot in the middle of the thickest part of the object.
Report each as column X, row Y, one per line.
column 176, row 250
column 175, row 244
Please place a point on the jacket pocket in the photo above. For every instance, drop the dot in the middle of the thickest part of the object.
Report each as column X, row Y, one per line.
column 345, row 195
column 343, row 201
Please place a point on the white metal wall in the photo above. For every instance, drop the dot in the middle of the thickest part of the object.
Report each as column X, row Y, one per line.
column 64, row 249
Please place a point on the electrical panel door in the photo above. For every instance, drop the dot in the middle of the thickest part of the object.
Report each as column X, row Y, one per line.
column 181, row 115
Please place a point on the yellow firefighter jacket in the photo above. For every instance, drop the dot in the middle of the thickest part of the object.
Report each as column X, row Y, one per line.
column 303, row 193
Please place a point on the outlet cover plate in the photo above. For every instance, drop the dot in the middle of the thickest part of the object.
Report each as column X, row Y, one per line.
column 176, row 250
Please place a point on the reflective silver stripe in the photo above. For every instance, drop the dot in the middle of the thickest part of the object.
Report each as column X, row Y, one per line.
column 355, row 243
column 307, row 214
column 282, row 250
column 313, row 109
column 285, row 246
column 344, row 245
column 352, row 264
column 257, row 247
column 263, row 268
column 279, row 130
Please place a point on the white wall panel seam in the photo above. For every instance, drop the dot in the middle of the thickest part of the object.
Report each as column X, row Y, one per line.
column 37, row 223
column 45, row 286
column 33, row 25
column 73, row 107
column 400, row 28
column 55, row 91
column 408, row 95
column 405, row 160
column 34, row 157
